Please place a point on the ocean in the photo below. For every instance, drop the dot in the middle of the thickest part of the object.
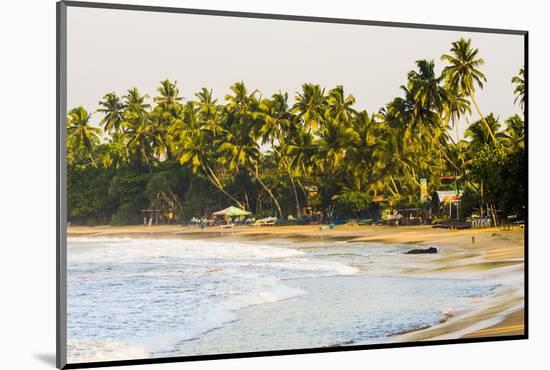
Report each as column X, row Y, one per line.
column 134, row 298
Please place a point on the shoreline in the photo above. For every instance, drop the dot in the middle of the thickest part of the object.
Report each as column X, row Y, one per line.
column 489, row 253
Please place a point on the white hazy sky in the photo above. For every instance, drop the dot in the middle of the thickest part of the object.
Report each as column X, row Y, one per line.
column 113, row 50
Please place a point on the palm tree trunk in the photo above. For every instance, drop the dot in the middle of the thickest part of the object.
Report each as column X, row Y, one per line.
column 394, row 186
column 257, row 177
column 455, row 124
column 392, row 191
column 293, row 185
column 146, row 160
column 302, row 188
column 214, row 180
column 246, row 200
column 295, row 195
column 443, row 152
column 483, row 119
column 176, row 200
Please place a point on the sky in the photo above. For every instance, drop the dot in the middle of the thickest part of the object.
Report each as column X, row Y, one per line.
column 114, row 50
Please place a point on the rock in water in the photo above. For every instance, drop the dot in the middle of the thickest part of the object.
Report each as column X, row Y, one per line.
column 422, row 251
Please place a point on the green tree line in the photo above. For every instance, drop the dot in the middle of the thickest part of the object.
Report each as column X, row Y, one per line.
column 276, row 157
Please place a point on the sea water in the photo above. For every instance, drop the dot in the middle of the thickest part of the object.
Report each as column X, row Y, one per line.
column 136, row 298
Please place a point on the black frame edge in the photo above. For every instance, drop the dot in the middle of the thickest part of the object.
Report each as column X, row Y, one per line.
column 303, row 351
column 61, row 186
column 526, row 230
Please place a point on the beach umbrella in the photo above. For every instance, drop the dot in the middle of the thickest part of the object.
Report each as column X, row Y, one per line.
column 232, row 211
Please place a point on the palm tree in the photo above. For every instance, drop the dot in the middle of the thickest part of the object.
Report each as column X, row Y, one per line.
column 456, row 106
column 240, row 101
column 80, row 134
column 332, row 146
column 160, row 136
column 169, row 95
column 310, row 106
column 399, row 161
column 240, row 146
column 135, row 103
column 300, row 148
column 276, row 120
column 482, row 133
column 463, row 74
column 139, row 137
column 363, row 146
column 208, row 107
column 339, row 107
column 426, row 88
column 274, row 117
column 519, row 90
column 243, row 153
column 428, row 97
column 197, row 151
column 112, row 108
column 515, row 132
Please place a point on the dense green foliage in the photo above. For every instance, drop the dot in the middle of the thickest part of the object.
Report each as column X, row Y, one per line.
column 267, row 154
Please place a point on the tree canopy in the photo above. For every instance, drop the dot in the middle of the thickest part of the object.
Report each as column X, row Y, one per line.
column 266, row 154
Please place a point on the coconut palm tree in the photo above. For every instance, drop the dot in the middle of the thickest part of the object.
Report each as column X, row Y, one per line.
column 274, row 117
column 519, row 89
column 169, row 94
column 138, row 138
column 463, row 74
column 134, row 103
column 112, row 108
column 300, row 148
column 456, row 106
column 339, row 107
column 399, row 161
column 160, row 136
column 241, row 101
column 426, row 87
column 482, row 133
column 277, row 124
column 198, row 152
column 239, row 146
column 332, row 146
column 241, row 152
column 363, row 146
column 515, row 132
column 209, row 110
column 80, row 134
column 428, row 98
column 310, row 106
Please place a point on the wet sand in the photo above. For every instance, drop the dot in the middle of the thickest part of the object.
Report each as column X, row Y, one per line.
column 474, row 253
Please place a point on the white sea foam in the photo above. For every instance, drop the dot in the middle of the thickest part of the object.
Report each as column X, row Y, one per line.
column 156, row 293
column 92, row 351
column 136, row 297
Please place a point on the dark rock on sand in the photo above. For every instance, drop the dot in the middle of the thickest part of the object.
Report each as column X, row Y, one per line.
column 422, row 251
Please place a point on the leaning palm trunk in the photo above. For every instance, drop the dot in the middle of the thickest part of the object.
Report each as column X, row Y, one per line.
column 295, row 194
column 443, row 153
column 287, row 167
column 214, row 180
column 396, row 192
column 483, row 119
column 455, row 124
column 146, row 160
column 257, row 177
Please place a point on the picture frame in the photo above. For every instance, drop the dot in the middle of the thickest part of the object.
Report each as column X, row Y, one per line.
column 62, row 190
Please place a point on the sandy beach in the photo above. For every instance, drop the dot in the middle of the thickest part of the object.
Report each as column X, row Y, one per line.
column 494, row 253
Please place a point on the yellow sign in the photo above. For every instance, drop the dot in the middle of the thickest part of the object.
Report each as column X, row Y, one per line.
column 423, row 190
